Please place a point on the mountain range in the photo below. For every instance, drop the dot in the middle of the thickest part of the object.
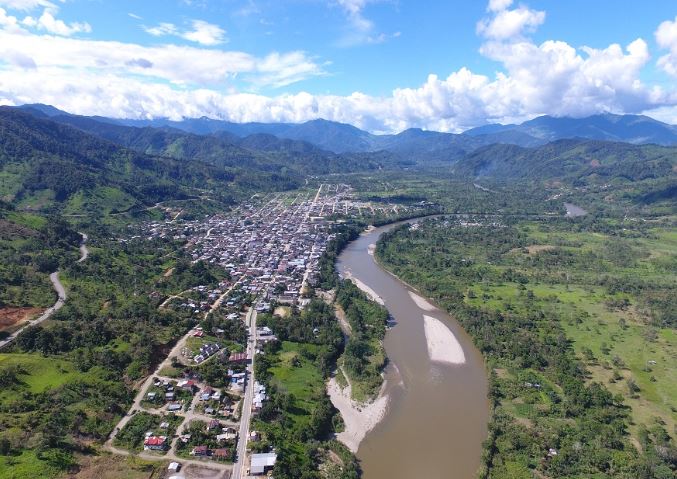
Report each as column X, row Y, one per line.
column 342, row 138
column 53, row 159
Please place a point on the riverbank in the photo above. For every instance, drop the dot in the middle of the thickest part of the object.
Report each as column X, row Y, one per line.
column 435, row 411
column 364, row 288
column 359, row 419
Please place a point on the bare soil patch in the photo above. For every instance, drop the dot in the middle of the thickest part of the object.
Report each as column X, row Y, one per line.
column 10, row 317
column 116, row 467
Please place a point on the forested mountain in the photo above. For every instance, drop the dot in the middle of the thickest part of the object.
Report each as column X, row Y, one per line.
column 48, row 158
column 43, row 163
column 412, row 145
column 257, row 151
column 571, row 160
column 264, row 160
column 637, row 129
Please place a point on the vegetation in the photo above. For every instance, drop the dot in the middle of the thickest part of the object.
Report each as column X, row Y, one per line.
column 298, row 417
column 363, row 358
column 524, row 290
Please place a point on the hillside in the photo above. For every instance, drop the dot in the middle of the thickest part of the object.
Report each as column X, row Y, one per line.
column 44, row 165
column 577, row 160
column 636, row 129
column 260, row 151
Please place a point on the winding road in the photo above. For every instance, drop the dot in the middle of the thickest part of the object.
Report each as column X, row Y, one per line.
column 61, row 296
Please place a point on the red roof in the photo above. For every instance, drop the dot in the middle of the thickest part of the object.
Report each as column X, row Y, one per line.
column 154, row 441
column 220, row 452
column 238, row 357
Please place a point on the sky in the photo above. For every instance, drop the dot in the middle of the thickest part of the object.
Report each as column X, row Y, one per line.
column 381, row 65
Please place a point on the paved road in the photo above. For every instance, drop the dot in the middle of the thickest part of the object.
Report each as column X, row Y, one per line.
column 61, row 297
column 239, row 467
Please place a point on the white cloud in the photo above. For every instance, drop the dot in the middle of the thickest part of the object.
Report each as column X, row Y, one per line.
column 360, row 30
column 9, row 22
column 181, row 65
column 26, row 5
column 200, row 32
column 135, row 16
column 205, row 33
column 128, row 80
column 505, row 24
column 49, row 23
column 666, row 37
column 498, row 5
column 162, row 29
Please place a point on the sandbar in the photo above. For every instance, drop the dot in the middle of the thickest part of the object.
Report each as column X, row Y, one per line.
column 443, row 347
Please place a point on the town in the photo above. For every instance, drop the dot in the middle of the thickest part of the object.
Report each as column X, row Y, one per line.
column 196, row 409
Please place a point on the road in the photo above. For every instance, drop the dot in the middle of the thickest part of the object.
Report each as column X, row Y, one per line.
column 245, row 418
column 136, row 405
column 60, row 301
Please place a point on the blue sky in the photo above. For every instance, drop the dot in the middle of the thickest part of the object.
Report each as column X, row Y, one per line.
column 384, row 65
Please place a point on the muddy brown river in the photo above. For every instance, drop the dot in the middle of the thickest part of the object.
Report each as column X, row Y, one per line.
column 437, row 412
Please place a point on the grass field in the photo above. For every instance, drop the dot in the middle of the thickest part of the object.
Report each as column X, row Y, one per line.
column 293, row 373
column 26, row 466
column 40, row 374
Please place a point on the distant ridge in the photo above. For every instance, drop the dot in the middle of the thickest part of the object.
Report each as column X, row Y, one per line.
column 342, row 138
column 636, row 129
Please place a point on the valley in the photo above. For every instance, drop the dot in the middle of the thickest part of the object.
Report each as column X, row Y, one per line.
column 232, row 310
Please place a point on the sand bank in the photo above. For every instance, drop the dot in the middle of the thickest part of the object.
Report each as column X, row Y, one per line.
column 358, row 418
column 421, row 302
column 366, row 289
column 443, row 347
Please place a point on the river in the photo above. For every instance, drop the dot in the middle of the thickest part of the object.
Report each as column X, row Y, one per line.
column 437, row 413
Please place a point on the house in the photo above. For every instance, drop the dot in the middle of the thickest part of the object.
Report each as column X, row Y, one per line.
column 221, row 454
column 262, row 463
column 216, row 396
column 206, row 394
column 164, row 425
column 228, row 434
column 200, row 451
column 187, row 384
column 213, row 424
column 238, row 357
column 210, row 411
column 151, row 396
column 173, row 407
column 170, row 396
column 174, row 467
column 254, row 436
column 155, row 443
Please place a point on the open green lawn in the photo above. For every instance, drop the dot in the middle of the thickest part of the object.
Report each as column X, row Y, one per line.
column 40, row 374
column 295, row 374
column 26, row 466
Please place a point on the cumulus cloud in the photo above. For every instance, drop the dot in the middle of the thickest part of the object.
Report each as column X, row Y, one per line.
column 498, row 5
column 181, row 65
column 49, row 23
column 128, row 80
column 205, row 33
column 27, row 4
column 201, row 32
column 666, row 37
column 504, row 24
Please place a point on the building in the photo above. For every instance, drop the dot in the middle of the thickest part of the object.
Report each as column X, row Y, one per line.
column 221, row 454
column 155, row 443
column 262, row 463
column 200, row 451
